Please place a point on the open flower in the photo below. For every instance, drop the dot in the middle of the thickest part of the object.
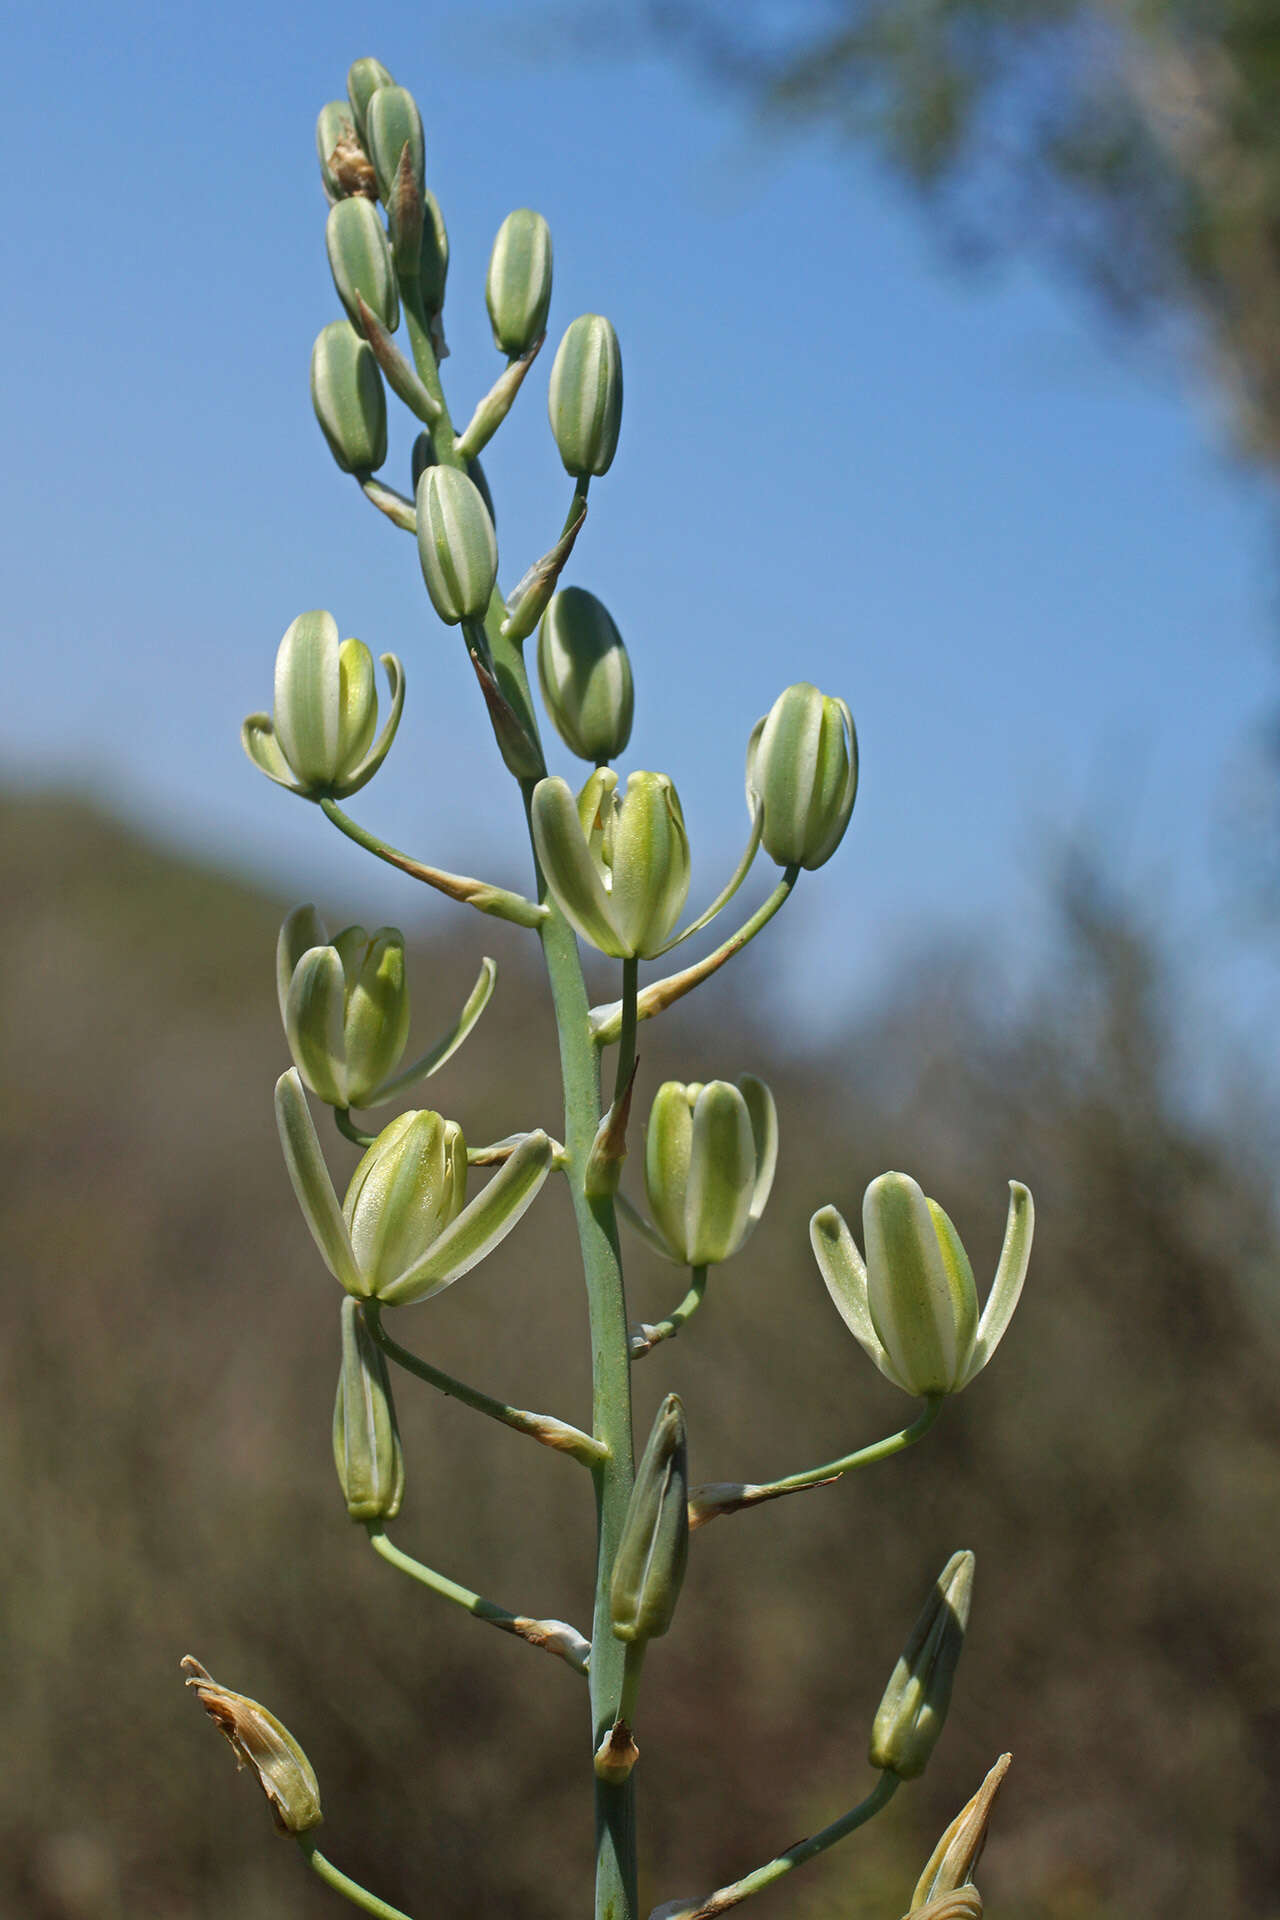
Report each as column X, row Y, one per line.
column 318, row 739
column 406, row 1229
column 617, row 864
column 913, row 1305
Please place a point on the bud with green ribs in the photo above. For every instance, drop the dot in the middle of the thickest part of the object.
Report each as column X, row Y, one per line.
column 456, row 544
column 585, row 675
column 911, row 1715
column 709, row 1160
column 366, row 1438
column 349, row 400
column 648, row 1570
column 802, row 772
column 518, row 286
column 585, row 396
column 360, row 261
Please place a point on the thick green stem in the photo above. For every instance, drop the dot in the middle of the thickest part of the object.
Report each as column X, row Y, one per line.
column 539, row 1426
column 725, row 1496
column 616, row 1894
column 342, row 1883
column 783, row 1863
column 554, row 1635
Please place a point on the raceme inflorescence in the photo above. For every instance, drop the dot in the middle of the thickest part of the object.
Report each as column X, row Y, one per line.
column 610, row 867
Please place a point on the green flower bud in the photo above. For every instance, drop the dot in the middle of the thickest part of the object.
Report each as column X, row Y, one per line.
column 410, row 1184
column 617, row 866
column 709, row 1160
column 585, row 675
column 403, row 1232
column 585, row 398
column 347, row 394
column 393, row 122
column 360, row 261
column 344, row 165
column 260, row 1742
column 913, row 1305
column 318, row 739
column 802, row 768
column 648, row 1570
column 517, row 291
column 366, row 1439
column 915, row 1703
column 456, row 545
column 346, row 1008
column 363, row 80
column 424, row 456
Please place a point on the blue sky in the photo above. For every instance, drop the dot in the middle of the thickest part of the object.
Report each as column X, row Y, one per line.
column 1013, row 544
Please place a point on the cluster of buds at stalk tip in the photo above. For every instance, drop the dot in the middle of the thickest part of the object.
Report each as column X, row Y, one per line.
column 911, row 1714
column 406, row 1229
column 456, row 544
column 945, row 1890
column 259, row 1741
column 616, row 863
column 585, row 675
column 366, row 1438
column 802, row 773
column 318, row 740
column 912, row 1305
column 648, row 1570
column 518, row 286
column 584, row 400
column 709, row 1160
column 345, row 1007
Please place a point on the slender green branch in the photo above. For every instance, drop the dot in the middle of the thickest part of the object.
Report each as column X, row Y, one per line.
column 660, row 994
column 349, row 1130
column 783, row 1863
column 472, row 893
column 539, row 1426
column 399, row 511
column 646, row 1337
column 553, row 1635
column 342, row 1883
column 728, row 1496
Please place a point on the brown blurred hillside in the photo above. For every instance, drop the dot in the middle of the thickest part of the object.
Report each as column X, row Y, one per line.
column 166, row 1377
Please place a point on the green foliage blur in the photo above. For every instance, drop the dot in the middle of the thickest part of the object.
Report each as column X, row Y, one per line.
column 167, row 1369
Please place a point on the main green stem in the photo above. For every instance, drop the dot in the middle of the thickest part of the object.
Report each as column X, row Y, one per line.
column 616, row 1893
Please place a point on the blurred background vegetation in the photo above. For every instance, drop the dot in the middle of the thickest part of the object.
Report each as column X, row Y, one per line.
column 168, row 1359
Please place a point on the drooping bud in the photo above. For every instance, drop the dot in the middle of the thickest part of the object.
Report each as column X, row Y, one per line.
column 393, row 122
column 649, row 1567
column 518, row 287
column 710, row 1155
column 424, row 456
column 913, row 1305
column 914, row 1707
column 318, row 739
column 585, row 397
column 366, row 1438
column 346, row 1010
column 348, row 396
column 802, row 767
column 585, row 675
column 456, row 545
column 364, row 77
column 360, row 261
column 618, row 865
column 345, row 167
column 954, row 1860
column 259, row 1741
